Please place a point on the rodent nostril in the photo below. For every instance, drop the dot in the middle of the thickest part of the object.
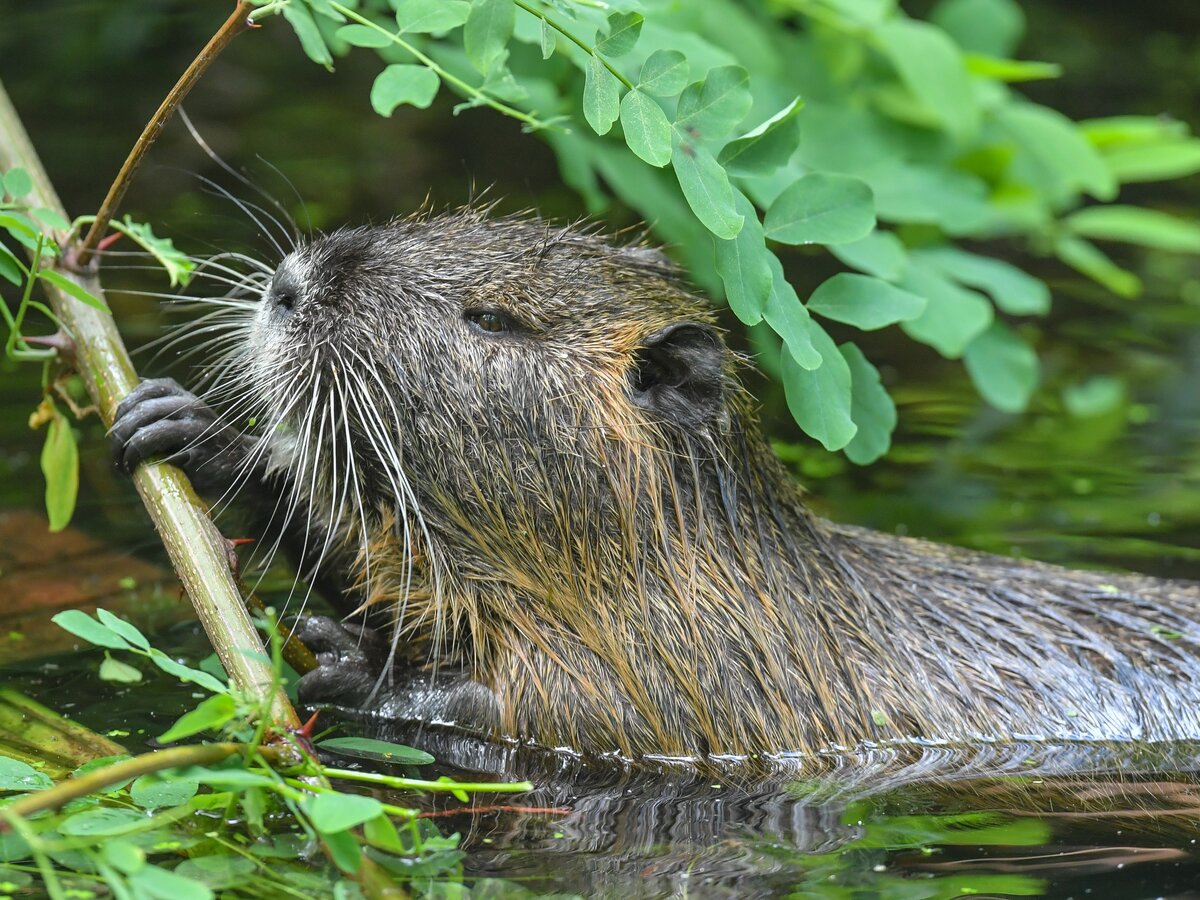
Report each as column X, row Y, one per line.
column 285, row 299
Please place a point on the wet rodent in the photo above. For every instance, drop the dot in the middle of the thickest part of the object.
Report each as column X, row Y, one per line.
column 530, row 450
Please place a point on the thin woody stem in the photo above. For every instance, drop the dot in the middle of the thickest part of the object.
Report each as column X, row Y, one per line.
column 237, row 22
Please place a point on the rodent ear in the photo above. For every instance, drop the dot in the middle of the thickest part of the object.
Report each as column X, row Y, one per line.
column 678, row 374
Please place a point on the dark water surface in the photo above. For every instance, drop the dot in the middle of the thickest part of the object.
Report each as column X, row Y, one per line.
column 1114, row 485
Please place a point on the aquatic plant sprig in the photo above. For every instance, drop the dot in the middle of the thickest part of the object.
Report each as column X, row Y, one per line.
column 530, row 121
column 258, row 779
column 583, row 45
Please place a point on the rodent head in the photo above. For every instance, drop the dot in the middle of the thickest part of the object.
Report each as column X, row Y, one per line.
column 496, row 369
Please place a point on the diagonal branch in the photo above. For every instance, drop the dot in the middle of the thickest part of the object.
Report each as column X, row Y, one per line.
column 196, row 548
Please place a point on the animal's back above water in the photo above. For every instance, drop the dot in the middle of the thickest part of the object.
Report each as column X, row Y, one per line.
column 543, row 470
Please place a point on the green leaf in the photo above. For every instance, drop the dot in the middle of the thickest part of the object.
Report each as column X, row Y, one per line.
column 10, row 267
column 127, row 857
column 332, row 811
column 102, row 821
column 954, row 316
column 1088, row 259
column 871, row 408
column 186, row 673
column 85, row 627
column 601, row 96
column 362, row 36
column 1014, row 291
column 765, row 148
column 1125, row 131
column 954, row 201
column 647, row 129
column 1154, row 162
column 125, row 629
column 932, row 68
column 50, row 218
column 116, row 671
column 159, row 884
column 402, row 83
column 382, row 751
column 177, row 264
column 549, row 39
column 219, row 871
column 993, row 27
column 1095, row 397
column 311, row 41
column 211, row 715
column 664, row 73
column 821, row 208
column 1146, row 227
column 325, row 8
column 20, row 776
column 60, row 466
column 624, row 28
column 151, row 792
column 1011, row 70
column 705, row 186
column 790, row 320
column 744, row 264
column 714, row 106
column 20, row 227
column 1059, row 155
column 381, row 833
column 344, row 850
column 72, row 289
column 820, row 399
column 17, row 183
column 864, row 301
column 430, row 16
column 1003, row 367
column 487, row 31
column 880, row 253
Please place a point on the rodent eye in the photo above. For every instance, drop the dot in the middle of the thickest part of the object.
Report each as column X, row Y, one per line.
column 489, row 320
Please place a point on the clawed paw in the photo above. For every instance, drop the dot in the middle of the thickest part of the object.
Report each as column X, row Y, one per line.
column 159, row 418
column 349, row 660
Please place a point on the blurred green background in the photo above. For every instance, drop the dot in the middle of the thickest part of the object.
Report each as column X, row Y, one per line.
column 1103, row 470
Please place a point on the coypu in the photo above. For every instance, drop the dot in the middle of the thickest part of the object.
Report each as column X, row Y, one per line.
column 528, row 450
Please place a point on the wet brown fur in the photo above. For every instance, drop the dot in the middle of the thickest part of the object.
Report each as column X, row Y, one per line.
column 623, row 583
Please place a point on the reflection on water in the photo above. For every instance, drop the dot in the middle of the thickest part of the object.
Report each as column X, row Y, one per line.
column 900, row 821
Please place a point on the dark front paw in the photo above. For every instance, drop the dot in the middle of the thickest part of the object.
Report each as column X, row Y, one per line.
column 160, row 419
column 349, row 661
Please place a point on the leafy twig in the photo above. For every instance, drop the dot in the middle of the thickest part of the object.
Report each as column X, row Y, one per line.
column 531, row 121
column 578, row 42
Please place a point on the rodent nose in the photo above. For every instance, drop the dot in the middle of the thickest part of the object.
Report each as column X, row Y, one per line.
column 284, row 293
column 284, row 299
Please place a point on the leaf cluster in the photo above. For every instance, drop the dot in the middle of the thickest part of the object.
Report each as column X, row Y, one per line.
column 245, row 827
column 742, row 130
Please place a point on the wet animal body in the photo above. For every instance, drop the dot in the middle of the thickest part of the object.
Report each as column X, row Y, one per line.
column 528, row 452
